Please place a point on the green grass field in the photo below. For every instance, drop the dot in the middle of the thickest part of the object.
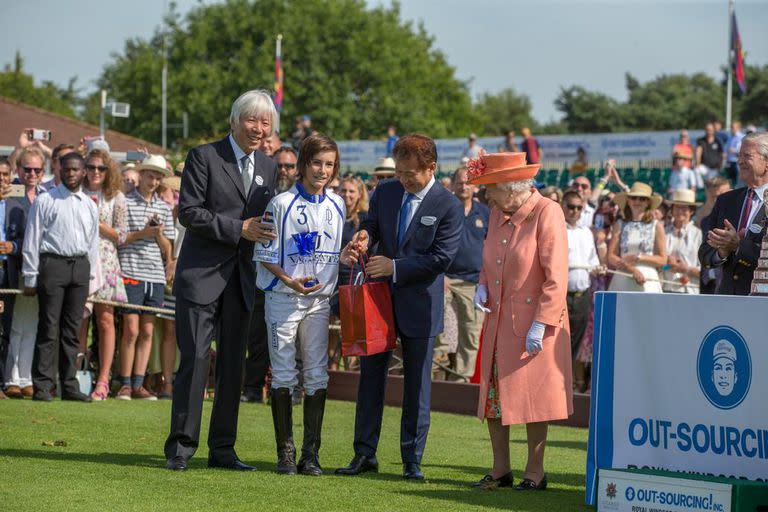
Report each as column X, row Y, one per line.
column 113, row 461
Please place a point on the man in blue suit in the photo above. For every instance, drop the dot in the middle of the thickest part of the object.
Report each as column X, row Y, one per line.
column 417, row 225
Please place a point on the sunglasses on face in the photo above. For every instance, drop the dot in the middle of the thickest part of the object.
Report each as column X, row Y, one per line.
column 576, row 207
column 286, row 166
column 641, row 199
column 581, row 185
column 30, row 170
column 94, row 168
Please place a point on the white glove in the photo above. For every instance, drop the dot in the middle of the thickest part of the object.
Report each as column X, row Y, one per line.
column 481, row 298
column 533, row 339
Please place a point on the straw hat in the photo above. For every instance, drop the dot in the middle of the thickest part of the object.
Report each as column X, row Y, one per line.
column 173, row 182
column 683, row 197
column 500, row 168
column 638, row 189
column 385, row 168
column 154, row 163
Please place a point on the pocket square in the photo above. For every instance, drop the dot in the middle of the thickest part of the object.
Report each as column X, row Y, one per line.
column 428, row 220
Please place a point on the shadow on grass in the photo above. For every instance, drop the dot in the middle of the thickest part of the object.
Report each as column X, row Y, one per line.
column 118, row 459
column 552, row 499
column 570, row 479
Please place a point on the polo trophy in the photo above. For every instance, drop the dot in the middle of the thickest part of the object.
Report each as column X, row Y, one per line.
column 305, row 245
column 760, row 279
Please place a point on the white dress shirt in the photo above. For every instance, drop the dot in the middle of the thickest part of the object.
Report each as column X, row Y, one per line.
column 587, row 216
column 418, row 197
column 757, row 203
column 683, row 243
column 60, row 222
column 581, row 253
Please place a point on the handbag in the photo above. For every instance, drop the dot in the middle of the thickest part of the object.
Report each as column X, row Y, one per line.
column 84, row 376
column 367, row 318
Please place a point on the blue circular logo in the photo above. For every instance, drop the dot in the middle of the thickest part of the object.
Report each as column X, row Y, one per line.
column 629, row 494
column 724, row 367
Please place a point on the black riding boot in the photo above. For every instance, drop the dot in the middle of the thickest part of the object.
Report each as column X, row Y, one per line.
column 314, row 407
column 282, row 416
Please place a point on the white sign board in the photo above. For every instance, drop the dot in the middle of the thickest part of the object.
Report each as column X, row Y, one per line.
column 631, row 492
column 679, row 384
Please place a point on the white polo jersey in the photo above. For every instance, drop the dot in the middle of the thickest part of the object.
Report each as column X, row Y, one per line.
column 296, row 211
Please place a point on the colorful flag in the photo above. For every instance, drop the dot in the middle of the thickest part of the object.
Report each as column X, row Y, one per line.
column 278, row 98
column 737, row 55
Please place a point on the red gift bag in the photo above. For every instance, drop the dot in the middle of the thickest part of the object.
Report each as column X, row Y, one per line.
column 367, row 319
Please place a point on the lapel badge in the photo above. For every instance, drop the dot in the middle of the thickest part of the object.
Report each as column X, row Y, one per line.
column 479, row 223
column 259, row 180
column 428, row 220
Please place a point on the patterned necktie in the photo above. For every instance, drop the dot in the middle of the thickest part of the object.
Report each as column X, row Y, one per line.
column 405, row 213
column 247, row 173
column 746, row 211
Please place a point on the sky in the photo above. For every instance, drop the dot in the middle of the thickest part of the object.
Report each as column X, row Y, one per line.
column 533, row 46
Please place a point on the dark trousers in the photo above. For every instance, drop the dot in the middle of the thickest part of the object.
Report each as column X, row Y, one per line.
column 732, row 169
column 257, row 361
column 417, row 393
column 578, row 314
column 62, row 289
column 5, row 320
column 196, row 325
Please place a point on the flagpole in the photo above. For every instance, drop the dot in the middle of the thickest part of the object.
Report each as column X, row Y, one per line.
column 278, row 58
column 729, row 87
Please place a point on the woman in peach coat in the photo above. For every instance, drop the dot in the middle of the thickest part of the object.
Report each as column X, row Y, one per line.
column 526, row 355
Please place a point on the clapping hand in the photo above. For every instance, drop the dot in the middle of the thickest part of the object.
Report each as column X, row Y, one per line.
column 725, row 240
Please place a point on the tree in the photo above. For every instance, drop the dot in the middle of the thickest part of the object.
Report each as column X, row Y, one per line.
column 504, row 111
column 354, row 70
column 20, row 86
column 753, row 107
column 588, row 111
column 670, row 102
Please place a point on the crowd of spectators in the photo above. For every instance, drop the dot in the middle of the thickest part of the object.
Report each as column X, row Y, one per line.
column 620, row 238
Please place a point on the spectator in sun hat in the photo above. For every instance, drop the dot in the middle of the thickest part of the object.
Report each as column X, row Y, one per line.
column 683, row 241
column 143, row 259
column 385, row 168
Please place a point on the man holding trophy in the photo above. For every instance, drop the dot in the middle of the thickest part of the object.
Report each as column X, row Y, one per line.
column 298, row 272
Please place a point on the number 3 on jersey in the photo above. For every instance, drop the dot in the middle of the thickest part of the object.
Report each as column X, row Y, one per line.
column 302, row 218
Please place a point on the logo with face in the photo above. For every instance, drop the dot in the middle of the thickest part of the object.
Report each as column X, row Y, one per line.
column 724, row 367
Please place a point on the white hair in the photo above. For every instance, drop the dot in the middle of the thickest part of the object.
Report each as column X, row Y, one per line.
column 255, row 103
column 515, row 186
column 760, row 140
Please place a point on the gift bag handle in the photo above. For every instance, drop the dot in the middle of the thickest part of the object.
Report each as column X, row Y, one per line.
column 363, row 260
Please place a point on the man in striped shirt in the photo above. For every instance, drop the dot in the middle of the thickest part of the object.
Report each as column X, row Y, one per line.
column 143, row 257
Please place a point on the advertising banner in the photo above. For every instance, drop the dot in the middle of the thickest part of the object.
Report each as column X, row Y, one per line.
column 630, row 492
column 679, row 384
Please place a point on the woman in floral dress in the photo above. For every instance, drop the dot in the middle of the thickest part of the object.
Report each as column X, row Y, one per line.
column 102, row 184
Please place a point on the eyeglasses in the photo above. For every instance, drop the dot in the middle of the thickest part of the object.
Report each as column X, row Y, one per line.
column 94, row 168
column 286, row 166
column 30, row 170
column 576, row 207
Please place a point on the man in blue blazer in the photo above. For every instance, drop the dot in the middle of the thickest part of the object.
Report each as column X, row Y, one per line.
column 417, row 225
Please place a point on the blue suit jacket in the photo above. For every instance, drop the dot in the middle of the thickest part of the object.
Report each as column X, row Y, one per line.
column 426, row 253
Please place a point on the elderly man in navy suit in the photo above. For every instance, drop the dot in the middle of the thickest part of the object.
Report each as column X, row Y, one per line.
column 417, row 225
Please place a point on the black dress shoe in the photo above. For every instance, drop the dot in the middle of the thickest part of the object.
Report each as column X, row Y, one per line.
column 42, row 396
column 359, row 464
column 412, row 471
column 251, row 397
column 76, row 397
column 177, row 463
column 488, row 483
column 235, row 465
column 529, row 485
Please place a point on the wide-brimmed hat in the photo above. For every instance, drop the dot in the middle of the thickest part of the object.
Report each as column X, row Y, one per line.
column 154, row 163
column 500, row 168
column 639, row 189
column 683, row 197
column 385, row 168
column 173, row 182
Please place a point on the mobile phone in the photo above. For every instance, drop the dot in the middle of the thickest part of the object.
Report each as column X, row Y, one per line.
column 135, row 156
column 154, row 220
column 17, row 190
column 37, row 134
